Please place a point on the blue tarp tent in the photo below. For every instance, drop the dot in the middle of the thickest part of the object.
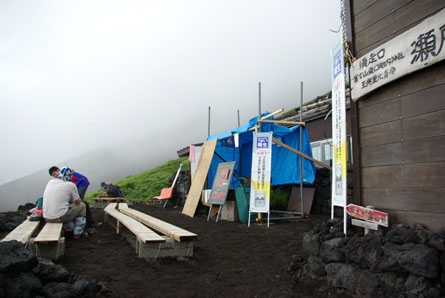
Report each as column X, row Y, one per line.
column 285, row 163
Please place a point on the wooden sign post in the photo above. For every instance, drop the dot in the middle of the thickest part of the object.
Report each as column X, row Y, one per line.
column 220, row 186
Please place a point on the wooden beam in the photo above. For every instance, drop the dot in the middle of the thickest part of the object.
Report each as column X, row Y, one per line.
column 301, row 153
column 265, row 117
column 284, row 122
column 194, row 195
column 272, row 114
column 254, row 127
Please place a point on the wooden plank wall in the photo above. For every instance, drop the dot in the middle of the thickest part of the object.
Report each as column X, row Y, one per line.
column 321, row 129
column 402, row 124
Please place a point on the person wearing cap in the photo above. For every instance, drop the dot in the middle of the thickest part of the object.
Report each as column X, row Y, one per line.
column 61, row 200
column 110, row 190
column 82, row 184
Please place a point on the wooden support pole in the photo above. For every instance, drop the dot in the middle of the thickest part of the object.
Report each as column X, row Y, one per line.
column 272, row 114
column 283, row 122
column 301, row 154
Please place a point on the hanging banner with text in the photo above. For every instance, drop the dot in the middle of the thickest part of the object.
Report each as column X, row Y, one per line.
column 261, row 168
column 339, row 169
column 417, row 48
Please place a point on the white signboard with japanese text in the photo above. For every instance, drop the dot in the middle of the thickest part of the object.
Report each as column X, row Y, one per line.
column 339, row 169
column 417, row 48
column 261, row 168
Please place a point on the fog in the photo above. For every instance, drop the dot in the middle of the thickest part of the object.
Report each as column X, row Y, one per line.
column 77, row 76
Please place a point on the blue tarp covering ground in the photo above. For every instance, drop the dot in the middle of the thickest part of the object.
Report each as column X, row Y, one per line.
column 285, row 163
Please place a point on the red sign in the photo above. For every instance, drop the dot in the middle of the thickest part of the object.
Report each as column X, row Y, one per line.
column 371, row 215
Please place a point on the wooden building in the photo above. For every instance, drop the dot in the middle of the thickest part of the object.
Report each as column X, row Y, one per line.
column 399, row 128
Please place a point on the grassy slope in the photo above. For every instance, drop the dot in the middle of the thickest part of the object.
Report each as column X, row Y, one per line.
column 148, row 184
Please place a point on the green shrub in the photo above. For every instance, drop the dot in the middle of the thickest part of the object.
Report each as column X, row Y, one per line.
column 279, row 199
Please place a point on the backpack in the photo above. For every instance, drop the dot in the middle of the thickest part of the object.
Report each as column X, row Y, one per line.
column 37, row 212
column 114, row 191
column 117, row 191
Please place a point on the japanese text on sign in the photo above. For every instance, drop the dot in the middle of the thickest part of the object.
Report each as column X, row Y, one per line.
column 419, row 47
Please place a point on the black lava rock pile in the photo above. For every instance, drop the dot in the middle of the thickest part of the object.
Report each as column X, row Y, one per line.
column 23, row 275
column 401, row 262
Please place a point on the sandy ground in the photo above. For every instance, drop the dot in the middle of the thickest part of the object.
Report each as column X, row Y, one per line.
column 230, row 260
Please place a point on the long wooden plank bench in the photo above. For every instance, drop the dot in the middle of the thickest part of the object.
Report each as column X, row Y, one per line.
column 159, row 246
column 101, row 203
column 22, row 232
column 49, row 243
column 143, row 233
column 163, row 227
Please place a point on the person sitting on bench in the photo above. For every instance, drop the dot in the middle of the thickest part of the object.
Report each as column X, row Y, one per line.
column 61, row 200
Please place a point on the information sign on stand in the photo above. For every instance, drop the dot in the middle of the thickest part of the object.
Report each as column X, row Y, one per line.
column 339, row 170
column 220, row 186
column 260, row 179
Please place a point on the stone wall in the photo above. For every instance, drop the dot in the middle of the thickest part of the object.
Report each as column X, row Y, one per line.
column 181, row 189
column 400, row 262
column 322, row 195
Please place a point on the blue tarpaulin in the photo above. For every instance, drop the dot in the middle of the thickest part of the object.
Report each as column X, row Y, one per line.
column 285, row 163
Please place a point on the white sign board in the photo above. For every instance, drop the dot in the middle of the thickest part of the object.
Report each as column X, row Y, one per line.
column 260, row 176
column 339, row 169
column 417, row 48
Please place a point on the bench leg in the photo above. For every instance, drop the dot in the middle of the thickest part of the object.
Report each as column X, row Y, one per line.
column 50, row 250
column 171, row 248
column 165, row 204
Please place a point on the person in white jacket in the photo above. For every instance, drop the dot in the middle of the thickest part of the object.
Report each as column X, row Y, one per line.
column 61, row 200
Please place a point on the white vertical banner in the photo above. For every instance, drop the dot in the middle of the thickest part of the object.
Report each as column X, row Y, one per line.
column 339, row 167
column 260, row 176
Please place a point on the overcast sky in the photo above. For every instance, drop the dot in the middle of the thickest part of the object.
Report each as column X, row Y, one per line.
column 77, row 75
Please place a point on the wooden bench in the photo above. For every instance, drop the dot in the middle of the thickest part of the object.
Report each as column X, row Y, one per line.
column 22, row 232
column 161, row 226
column 103, row 202
column 148, row 243
column 154, row 245
column 49, row 244
column 143, row 233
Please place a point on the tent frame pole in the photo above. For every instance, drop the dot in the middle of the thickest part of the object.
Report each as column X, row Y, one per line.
column 301, row 149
